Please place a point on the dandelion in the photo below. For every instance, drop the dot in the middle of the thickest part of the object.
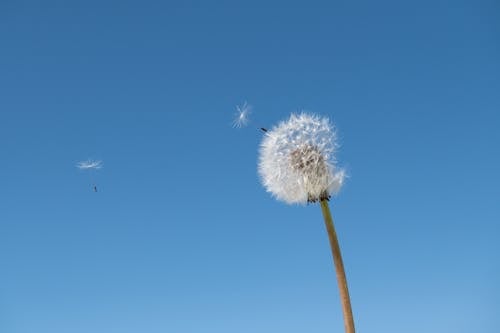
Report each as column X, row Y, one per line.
column 296, row 160
column 242, row 115
column 297, row 165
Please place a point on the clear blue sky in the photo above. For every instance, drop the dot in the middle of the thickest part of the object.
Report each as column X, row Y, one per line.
column 181, row 237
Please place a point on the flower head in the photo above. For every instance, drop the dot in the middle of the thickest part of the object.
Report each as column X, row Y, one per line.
column 241, row 118
column 296, row 162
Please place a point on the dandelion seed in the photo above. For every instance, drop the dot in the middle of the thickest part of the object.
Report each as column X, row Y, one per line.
column 90, row 166
column 242, row 115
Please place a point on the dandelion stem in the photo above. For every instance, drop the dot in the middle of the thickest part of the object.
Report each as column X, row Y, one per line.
column 339, row 268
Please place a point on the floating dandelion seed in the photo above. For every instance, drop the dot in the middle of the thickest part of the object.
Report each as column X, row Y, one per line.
column 242, row 115
column 90, row 165
column 297, row 165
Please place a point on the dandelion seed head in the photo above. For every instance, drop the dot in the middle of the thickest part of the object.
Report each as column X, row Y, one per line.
column 241, row 118
column 89, row 164
column 296, row 160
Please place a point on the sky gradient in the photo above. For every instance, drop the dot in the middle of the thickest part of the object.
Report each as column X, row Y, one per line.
column 181, row 237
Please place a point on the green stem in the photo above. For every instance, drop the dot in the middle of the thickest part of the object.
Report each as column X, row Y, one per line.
column 339, row 268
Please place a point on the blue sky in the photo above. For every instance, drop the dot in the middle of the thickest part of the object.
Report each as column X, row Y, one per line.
column 181, row 237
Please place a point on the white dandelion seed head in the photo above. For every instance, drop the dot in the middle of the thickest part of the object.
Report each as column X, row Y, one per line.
column 89, row 164
column 241, row 118
column 296, row 160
